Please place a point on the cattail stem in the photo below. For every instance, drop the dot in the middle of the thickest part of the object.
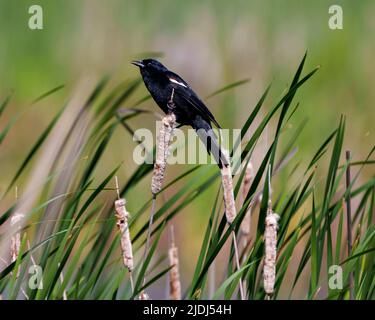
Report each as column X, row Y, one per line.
column 237, row 258
column 230, row 211
column 349, row 223
column 174, row 274
column 148, row 239
column 131, row 282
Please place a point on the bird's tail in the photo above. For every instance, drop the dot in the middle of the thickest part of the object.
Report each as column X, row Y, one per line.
column 209, row 139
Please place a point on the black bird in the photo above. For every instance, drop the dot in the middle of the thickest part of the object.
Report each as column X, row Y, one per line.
column 188, row 108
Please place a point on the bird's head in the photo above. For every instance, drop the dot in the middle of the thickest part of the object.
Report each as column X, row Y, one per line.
column 149, row 65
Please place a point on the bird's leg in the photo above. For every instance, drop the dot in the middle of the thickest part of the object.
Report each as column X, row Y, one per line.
column 170, row 104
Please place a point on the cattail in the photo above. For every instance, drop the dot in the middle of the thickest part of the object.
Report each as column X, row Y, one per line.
column 174, row 274
column 270, row 239
column 122, row 223
column 227, row 183
column 15, row 245
column 246, row 223
column 164, row 140
column 144, row 296
column 162, row 151
column 230, row 209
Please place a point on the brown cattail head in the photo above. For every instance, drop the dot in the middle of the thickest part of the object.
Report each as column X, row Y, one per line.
column 227, row 183
column 230, row 210
column 162, row 151
column 270, row 238
column 174, row 274
column 122, row 224
column 15, row 244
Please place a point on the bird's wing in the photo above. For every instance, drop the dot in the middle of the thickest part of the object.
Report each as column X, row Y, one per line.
column 185, row 93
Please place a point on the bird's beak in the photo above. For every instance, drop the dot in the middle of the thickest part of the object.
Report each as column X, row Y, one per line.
column 138, row 63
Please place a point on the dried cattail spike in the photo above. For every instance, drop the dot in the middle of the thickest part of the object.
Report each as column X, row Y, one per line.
column 120, row 208
column 164, row 140
column 122, row 223
column 227, row 183
column 174, row 274
column 270, row 238
column 15, row 245
column 230, row 209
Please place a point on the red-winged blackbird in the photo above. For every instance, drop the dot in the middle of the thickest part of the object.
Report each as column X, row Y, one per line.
column 188, row 108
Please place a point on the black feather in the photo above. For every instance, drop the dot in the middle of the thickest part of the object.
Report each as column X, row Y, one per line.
column 188, row 108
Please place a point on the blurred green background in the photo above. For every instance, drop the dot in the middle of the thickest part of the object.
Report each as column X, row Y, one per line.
column 209, row 43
